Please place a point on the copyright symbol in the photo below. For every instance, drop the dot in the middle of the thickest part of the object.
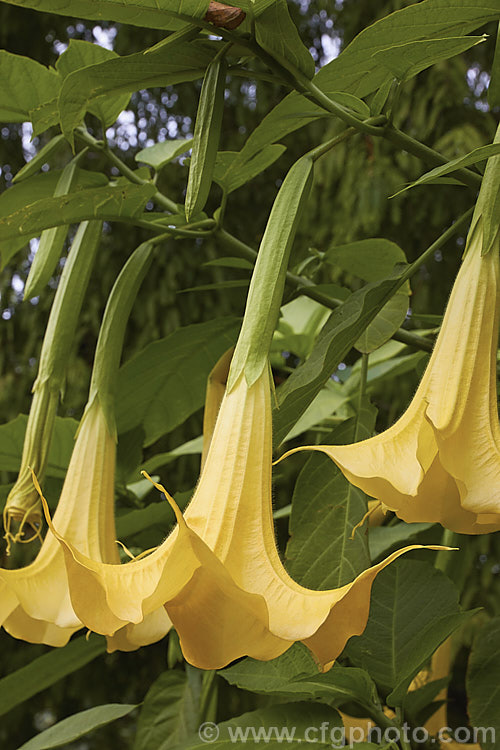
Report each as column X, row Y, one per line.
column 208, row 731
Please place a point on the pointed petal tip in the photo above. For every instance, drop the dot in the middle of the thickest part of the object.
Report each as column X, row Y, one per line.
column 178, row 513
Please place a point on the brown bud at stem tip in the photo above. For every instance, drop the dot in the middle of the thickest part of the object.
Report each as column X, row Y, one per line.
column 224, row 16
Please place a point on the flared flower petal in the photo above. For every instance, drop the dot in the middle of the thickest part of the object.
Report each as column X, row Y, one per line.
column 219, row 574
column 440, row 462
column 35, row 600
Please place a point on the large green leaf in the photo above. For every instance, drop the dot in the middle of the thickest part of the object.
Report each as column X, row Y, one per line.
column 414, row 608
column 165, row 382
column 278, row 726
column 76, row 726
column 157, row 514
column 81, row 54
column 107, row 203
column 383, row 539
column 410, row 58
column 12, row 439
column 357, row 70
column 48, row 669
column 473, row 157
column 24, row 84
column 160, row 154
column 372, row 260
column 337, row 337
column 169, row 713
column 483, row 686
column 41, row 186
column 170, row 14
column 277, row 34
column 127, row 74
column 271, row 676
column 44, row 156
column 325, row 508
column 295, row 675
column 231, row 171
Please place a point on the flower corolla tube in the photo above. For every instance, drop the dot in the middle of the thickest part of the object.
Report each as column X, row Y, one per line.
column 218, row 574
column 440, row 462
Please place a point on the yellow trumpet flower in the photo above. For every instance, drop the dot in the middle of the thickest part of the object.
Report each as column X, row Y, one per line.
column 218, row 574
column 440, row 462
column 35, row 602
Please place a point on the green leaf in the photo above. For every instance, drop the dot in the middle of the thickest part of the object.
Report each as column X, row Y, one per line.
column 325, row 509
column 177, row 365
column 293, row 112
column 48, row 669
column 385, row 324
column 410, row 58
column 56, row 144
column 277, row 34
column 169, row 713
column 52, row 240
column 127, row 74
column 271, row 676
column 418, row 703
column 337, row 337
column 483, row 687
column 473, row 157
column 80, row 54
column 295, row 675
column 230, row 284
column 372, row 260
column 231, row 170
column 160, row 154
column 42, row 185
column 277, row 726
column 160, row 515
column 191, row 448
column 36, row 188
column 78, row 725
column 357, row 71
column 414, row 608
column 230, row 262
column 331, row 402
column 24, row 84
column 12, row 439
column 171, row 15
column 107, row 203
column 383, row 539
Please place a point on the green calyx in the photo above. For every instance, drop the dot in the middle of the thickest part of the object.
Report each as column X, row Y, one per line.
column 112, row 332
column 268, row 279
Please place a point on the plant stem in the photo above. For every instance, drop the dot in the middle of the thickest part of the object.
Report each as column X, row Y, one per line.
column 441, row 240
column 323, row 148
column 158, row 197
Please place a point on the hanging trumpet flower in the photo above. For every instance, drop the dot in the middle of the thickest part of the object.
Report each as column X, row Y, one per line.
column 219, row 574
column 35, row 602
column 440, row 462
